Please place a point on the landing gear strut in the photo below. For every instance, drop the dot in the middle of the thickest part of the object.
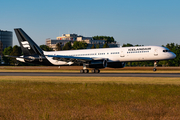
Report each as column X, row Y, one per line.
column 84, row 70
column 155, row 65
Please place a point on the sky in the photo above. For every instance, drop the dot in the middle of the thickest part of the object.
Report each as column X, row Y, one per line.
column 143, row 22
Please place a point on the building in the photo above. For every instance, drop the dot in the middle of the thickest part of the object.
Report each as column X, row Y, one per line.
column 5, row 40
column 52, row 42
column 71, row 37
column 74, row 37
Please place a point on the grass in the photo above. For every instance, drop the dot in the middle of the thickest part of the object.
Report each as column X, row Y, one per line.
column 49, row 98
column 118, row 80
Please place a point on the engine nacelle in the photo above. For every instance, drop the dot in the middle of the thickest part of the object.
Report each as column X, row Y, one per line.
column 97, row 64
column 116, row 64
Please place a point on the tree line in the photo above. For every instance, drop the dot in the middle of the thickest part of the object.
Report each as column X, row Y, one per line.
column 106, row 38
column 76, row 46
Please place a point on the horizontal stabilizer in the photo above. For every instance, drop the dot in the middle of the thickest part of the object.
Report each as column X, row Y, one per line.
column 26, row 57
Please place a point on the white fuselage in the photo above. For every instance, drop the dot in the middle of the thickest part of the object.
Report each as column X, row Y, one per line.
column 122, row 54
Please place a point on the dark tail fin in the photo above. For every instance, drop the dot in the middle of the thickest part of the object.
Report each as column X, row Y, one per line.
column 28, row 46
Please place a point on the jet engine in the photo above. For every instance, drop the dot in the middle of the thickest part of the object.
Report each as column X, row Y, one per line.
column 97, row 64
column 116, row 64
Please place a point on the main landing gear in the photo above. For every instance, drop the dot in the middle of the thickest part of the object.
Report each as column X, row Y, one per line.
column 155, row 65
column 87, row 71
column 84, row 70
column 95, row 71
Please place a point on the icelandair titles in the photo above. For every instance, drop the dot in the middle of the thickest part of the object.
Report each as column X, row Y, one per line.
column 136, row 49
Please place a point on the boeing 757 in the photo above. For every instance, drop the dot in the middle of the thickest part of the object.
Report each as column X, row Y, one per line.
column 89, row 58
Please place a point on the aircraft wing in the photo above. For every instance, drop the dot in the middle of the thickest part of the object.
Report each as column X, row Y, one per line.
column 74, row 58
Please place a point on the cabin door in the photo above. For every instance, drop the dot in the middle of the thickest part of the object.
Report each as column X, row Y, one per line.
column 156, row 52
column 122, row 54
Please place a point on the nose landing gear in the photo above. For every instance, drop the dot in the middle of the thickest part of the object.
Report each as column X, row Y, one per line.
column 155, row 65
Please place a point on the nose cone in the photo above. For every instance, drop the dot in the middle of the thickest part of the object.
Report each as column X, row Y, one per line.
column 173, row 55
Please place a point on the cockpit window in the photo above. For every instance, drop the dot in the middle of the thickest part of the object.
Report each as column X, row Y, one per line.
column 166, row 51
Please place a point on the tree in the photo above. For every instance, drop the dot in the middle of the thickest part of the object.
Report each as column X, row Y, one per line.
column 58, row 46
column 45, row 48
column 176, row 49
column 67, row 46
column 127, row 45
column 79, row 45
column 7, row 51
column 138, row 45
column 106, row 38
column 16, row 51
column 97, row 46
column 93, row 46
column 105, row 45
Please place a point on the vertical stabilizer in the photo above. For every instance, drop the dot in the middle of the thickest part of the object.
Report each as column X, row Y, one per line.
column 28, row 46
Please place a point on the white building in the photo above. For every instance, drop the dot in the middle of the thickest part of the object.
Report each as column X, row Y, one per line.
column 74, row 37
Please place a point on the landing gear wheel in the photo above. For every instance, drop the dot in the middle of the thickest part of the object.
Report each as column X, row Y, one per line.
column 86, row 71
column 81, row 71
column 154, row 69
column 95, row 71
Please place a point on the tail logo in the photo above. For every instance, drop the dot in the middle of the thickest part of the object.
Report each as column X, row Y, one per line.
column 26, row 44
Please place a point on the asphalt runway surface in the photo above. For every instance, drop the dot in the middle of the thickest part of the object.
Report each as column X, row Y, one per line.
column 90, row 74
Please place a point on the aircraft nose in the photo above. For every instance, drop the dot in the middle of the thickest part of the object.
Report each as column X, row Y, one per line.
column 173, row 55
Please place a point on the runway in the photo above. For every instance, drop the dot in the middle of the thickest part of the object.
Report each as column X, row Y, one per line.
column 90, row 74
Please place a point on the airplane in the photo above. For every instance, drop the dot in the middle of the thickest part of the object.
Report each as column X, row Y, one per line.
column 89, row 58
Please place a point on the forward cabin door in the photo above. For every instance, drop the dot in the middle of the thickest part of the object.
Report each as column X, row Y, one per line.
column 155, row 52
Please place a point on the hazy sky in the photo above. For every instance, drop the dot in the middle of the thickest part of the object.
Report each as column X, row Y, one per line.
column 144, row 22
